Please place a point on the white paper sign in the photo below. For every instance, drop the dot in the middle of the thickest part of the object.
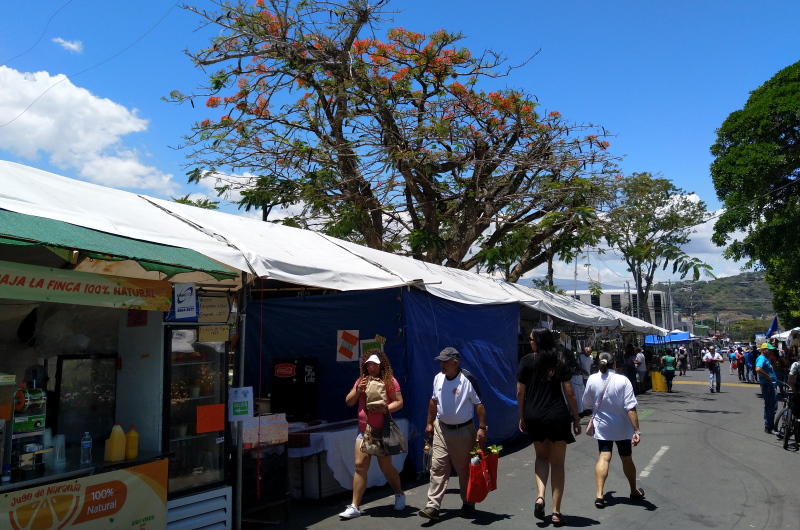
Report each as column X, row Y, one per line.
column 347, row 346
column 185, row 301
column 240, row 403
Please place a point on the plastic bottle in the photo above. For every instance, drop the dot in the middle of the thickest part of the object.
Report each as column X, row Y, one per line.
column 86, row 449
column 115, row 447
column 131, row 444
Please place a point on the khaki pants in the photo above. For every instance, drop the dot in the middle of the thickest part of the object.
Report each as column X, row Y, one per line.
column 451, row 448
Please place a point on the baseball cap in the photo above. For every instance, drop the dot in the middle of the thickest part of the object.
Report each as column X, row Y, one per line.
column 373, row 359
column 447, row 354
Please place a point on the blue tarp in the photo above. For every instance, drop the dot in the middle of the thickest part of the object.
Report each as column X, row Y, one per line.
column 672, row 338
column 486, row 337
column 305, row 327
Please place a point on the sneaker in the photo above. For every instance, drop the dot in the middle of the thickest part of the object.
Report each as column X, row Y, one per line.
column 712, row 390
column 400, row 501
column 430, row 513
column 351, row 512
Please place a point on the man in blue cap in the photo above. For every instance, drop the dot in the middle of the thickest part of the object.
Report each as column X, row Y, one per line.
column 766, row 376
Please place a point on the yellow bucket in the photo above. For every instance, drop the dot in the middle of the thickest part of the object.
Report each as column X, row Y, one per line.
column 659, row 383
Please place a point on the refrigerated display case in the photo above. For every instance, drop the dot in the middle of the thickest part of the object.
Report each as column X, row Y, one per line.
column 196, row 374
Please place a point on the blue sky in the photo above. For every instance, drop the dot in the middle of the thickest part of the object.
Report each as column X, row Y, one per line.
column 661, row 76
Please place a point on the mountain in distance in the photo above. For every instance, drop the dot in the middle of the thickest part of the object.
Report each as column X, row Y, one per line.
column 567, row 285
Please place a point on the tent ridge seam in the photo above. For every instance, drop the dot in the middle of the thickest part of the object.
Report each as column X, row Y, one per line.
column 215, row 235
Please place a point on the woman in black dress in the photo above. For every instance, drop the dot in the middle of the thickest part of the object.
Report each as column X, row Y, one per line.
column 543, row 380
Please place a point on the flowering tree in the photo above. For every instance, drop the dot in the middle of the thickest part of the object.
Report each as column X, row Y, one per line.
column 390, row 143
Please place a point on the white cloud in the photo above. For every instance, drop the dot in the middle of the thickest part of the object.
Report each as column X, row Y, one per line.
column 75, row 46
column 75, row 129
column 612, row 270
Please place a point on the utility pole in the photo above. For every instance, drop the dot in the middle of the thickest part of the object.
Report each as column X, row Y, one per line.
column 669, row 291
column 630, row 300
column 575, row 285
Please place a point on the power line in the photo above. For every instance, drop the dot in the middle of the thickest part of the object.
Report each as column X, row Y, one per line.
column 93, row 67
column 42, row 35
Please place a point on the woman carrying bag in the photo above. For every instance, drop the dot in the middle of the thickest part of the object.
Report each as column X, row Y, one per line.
column 668, row 369
column 614, row 422
column 375, row 368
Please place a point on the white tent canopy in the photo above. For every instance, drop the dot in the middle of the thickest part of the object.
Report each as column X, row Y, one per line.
column 274, row 251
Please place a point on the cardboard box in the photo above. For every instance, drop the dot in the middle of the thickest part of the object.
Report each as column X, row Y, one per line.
column 274, row 429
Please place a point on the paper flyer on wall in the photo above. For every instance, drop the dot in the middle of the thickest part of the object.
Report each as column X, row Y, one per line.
column 347, row 345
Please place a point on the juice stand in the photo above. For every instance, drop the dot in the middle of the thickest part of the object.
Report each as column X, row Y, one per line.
column 81, row 350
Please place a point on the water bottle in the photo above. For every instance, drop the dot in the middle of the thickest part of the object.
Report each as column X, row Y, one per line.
column 86, row 449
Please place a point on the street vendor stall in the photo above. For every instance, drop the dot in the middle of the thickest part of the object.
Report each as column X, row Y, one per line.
column 81, row 352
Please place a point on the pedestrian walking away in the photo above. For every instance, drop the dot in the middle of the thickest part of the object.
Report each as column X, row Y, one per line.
column 455, row 402
column 615, row 423
column 740, row 363
column 749, row 365
column 712, row 358
column 668, row 369
column 544, row 379
column 682, row 360
column 768, row 381
column 376, row 372
column 641, row 372
column 731, row 360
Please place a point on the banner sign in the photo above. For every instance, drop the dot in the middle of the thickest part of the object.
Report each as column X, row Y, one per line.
column 135, row 497
column 347, row 345
column 43, row 284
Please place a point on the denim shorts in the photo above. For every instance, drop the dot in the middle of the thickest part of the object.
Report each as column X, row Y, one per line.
column 624, row 447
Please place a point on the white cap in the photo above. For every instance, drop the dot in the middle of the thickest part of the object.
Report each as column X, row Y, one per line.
column 374, row 359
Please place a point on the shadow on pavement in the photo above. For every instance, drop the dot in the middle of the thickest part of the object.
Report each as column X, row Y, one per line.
column 703, row 411
column 612, row 500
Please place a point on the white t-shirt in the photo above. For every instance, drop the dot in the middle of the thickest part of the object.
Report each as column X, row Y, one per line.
column 455, row 400
column 586, row 363
column 642, row 366
column 708, row 357
column 611, row 422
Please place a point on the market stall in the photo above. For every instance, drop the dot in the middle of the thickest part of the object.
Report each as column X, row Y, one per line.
column 81, row 352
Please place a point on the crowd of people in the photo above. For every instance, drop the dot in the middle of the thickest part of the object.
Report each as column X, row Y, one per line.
column 554, row 389
column 549, row 414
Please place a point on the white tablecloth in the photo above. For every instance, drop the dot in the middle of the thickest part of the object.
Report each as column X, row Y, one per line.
column 340, row 445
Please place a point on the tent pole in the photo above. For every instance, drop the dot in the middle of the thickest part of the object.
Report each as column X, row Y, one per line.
column 240, row 382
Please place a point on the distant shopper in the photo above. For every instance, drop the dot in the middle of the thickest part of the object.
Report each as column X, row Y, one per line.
column 543, row 383
column 731, row 359
column 668, row 369
column 641, row 372
column 587, row 361
column 615, row 422
column 740, row 362
column 749, row 365
column 768, row 381
column 712, row 358
column 374, row 364
column 682, row 360
column 455, row 402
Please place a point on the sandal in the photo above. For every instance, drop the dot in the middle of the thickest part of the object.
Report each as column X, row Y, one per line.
column 538, row 509
column 561, row 519
column 600, row 502
column 639, row 495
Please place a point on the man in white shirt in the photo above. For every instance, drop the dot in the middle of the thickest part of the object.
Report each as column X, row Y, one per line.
column 712, row 360
column 456, row 399
column 641, row 371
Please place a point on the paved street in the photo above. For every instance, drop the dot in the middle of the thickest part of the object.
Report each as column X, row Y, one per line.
column 717, row 469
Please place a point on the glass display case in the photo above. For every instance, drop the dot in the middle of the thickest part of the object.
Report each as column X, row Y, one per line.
column 196, row 378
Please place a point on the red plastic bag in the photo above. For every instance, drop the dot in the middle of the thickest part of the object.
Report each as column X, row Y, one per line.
column 478, row 485
column 491, row 465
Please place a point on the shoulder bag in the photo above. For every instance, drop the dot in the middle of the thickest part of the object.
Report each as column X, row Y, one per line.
column 590, row 426
column 393, row 441
column 372, row 441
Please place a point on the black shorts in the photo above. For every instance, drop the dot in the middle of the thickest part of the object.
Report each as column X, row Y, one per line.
column 624, row 447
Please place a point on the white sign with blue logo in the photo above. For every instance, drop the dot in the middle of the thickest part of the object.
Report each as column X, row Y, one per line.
column 185, row 301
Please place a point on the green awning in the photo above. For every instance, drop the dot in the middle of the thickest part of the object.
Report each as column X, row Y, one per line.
column 17, row 228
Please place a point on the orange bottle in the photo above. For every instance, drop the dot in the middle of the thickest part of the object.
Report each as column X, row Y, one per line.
column 115, row 447
column 131, row 444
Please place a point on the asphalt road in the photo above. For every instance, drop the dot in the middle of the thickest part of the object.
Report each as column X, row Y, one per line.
column 717, row 469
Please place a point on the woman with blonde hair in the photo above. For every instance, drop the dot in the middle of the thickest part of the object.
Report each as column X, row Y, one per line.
column 374, row 365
